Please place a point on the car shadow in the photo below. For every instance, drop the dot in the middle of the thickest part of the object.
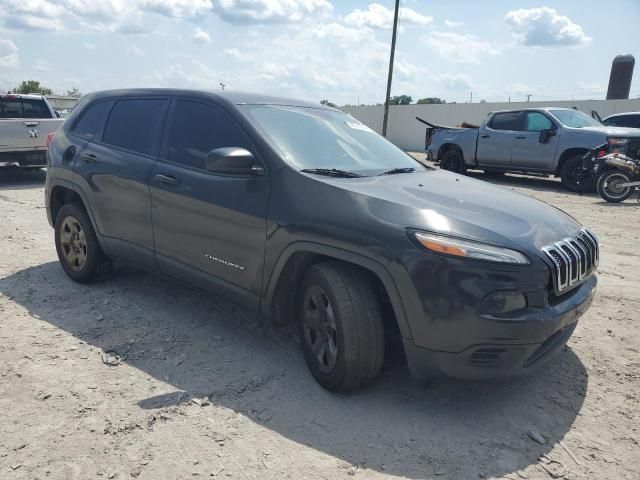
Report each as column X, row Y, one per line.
column 201, row 345
column 13, row 178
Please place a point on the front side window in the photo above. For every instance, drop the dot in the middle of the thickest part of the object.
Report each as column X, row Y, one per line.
column 133, row 124
column 311, row 138
column 574, row 118
column 506, row 121
column 91, row 120
column 536, row 122
column 196, row 128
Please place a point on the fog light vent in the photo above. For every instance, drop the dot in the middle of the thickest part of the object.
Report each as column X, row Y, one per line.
column 487, row 357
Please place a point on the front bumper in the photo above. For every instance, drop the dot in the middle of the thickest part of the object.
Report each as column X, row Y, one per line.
column 453, row 340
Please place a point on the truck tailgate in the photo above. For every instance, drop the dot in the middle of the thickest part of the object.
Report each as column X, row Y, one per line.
column 23, row 134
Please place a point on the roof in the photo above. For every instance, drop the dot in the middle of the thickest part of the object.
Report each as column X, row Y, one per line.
column 234, row 97
column 533, row 109
column 22, row 95
column 621, row 114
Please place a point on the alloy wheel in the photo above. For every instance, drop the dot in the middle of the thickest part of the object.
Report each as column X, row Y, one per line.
column 319, row 325
column 73, row 243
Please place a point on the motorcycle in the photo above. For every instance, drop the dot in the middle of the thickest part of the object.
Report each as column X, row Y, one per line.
column 615, row 174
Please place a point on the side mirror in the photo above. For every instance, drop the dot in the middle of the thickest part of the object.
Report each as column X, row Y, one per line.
column 233, row 161
column 545, row 135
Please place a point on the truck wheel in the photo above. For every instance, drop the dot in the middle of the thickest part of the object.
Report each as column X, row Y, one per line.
column 571, row 174
column 77, row 245
column 609, row 186
column 453, row 161
column 341, row 327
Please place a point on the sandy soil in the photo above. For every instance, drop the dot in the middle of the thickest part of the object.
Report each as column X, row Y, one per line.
column 207, row 389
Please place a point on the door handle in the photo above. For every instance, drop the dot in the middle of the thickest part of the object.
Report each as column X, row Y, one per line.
column 485, row 136
column 521, row 137
column 89, row 158
column 166, row 179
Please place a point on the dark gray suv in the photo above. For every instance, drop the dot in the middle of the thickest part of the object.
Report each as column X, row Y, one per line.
column 304, row 214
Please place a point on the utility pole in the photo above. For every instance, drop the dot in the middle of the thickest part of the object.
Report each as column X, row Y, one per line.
column 471, row 98
column 393, row 51
column 529, row 97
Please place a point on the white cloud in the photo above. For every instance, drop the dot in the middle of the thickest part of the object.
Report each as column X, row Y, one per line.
column 200, row 36
column 460, row 48
column 271, row 11
column 235, row 54
column 89, row 45
column 379, row 16
column 452, row 24
column 136, row 51
column 178, row 8
column 8, row 54
column 544, row 27
column 41, row 66
column 271, row 71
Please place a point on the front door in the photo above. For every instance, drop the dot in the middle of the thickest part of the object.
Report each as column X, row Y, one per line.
column 209, row 229
column 528, row 153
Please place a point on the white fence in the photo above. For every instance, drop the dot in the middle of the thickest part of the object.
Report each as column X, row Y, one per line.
column 407, row 133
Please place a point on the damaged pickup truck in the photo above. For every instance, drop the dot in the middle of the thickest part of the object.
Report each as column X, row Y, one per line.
column 549, row 141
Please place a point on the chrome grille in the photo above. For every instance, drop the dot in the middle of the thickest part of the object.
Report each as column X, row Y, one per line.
column 574, row 259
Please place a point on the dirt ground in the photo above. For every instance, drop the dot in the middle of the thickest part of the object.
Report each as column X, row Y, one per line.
column 208, row 390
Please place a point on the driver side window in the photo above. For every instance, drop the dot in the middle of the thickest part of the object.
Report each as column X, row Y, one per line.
column 536, row 122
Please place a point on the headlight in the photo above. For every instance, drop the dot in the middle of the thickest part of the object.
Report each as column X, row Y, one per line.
column 469, row 249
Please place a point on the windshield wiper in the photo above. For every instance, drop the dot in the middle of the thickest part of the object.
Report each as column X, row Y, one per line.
column 332, row 172
column 399, row 170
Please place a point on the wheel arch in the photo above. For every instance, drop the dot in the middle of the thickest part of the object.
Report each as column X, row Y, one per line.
column 567, row 154
column 450, row 146
column 279, row 296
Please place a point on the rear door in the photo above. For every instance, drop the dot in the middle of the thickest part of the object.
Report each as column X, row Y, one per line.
column 496, row 139
column 528, row 153
column 209, row 229
column 113, row 172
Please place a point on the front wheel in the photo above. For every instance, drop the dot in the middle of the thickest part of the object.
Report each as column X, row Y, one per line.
column 340, row 326
column 609, row 186
column 572, row 175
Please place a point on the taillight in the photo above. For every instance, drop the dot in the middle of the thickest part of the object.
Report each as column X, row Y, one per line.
column 429, row 136
column 50, row 138
column 601, row 153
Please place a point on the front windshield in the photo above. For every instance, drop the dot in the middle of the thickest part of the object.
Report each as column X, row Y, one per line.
column 314, row 138
column 574, row 118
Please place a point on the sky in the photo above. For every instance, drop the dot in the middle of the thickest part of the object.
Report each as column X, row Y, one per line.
column 322, row 49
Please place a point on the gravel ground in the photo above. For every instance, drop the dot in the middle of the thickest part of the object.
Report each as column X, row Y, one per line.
column 206, row 389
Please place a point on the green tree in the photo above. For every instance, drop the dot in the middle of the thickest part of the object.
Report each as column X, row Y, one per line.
column 74, row 92
column 32, row 86
column 431, row 101
column 327, row 103
column 400, row 100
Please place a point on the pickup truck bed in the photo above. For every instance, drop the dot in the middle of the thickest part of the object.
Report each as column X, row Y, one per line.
column 25, row 123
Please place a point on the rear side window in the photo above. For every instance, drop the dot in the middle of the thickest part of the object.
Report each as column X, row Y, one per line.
column 536, row 121
column 196, row 129
column 133, row 124
column 624, row 121
column 23, row 108
column 506, row 121
column 91, row 120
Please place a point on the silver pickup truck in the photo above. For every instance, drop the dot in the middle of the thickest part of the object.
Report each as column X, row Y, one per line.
column 25, row 123
column 548, row 141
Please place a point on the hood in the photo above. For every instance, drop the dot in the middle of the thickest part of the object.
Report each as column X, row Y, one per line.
column 451, row 204
column 613, row 131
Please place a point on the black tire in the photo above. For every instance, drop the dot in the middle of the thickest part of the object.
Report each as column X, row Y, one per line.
column 453, row 161
column 74, row 234
column 572, row 175
column 608, row 189
column 341, row 294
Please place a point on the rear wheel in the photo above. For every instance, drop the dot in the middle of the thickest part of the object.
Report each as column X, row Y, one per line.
column 341, row 328
column 572, row 175
column 453, row 161
column 77, row 245
column 609, row 186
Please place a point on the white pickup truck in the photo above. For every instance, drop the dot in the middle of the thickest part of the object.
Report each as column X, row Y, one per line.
column 25, row 123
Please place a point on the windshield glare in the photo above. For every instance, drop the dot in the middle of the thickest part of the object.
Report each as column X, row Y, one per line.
column 574, row 118
column 311, row 138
